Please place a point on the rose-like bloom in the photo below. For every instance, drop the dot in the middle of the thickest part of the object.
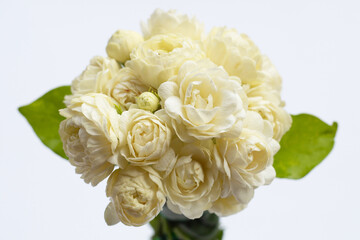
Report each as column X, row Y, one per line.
column 160, row 57
column 246, row 163
column 226, row 206
column 147, row 137
column 121, row 43
column 268, row 104
column 94, row 78
column 235, row 52
column 241, row 57
column 192, row 185
column 162, row 22
column 91, row 136
column 136, row 195
column 269, row 74
column 203, row 102
column 125, row 87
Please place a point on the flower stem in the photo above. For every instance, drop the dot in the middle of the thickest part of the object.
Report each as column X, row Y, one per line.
column 170, row 226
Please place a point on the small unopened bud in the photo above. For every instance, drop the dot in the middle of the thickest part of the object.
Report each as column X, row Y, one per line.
column 121, row 43
column 148, row 101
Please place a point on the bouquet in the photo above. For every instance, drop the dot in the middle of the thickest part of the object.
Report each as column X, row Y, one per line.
column 184, row 126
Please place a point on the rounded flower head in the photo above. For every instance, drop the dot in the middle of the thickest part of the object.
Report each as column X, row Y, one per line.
column 246, row 163
column 162, row 22
column 235, row 52
column 192, row 185
column 147, row 137
column 270, row 75
column 241, row 57
column 91, row 136
column 125, row 87
column 94, row 78
column 226, row 206
column 136, row 196
column 160, row 57
column 203, row 102
column 121, row 43
column 268, row 104
column 96, row 75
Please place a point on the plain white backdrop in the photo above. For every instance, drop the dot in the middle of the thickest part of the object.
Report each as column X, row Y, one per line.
column 314, row 45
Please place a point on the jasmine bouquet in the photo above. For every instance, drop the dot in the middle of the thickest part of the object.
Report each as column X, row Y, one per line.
column 180, row 122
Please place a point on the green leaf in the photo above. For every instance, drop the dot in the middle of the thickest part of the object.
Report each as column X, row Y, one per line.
column 43, row 116
column 304, row 146
column 156, row 225
column 118, row 109
column 220, row 235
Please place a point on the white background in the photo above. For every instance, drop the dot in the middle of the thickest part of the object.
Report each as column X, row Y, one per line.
column 315, row 46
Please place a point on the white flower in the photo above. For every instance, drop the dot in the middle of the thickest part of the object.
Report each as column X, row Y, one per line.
column 94, row 78
column 160, row 57
column 91, row 136
column 246, row 163
column 125, row 87
column 147, row 137
column 136, row 195
column 121, row 43
column 162, row 22
column 226, row 206
column 235, row 52
column 203, row 102
column 192, row 186
column 269, row 74
column 241, row 57
column 267, row 103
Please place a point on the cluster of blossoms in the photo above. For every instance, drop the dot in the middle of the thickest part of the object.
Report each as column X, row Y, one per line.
column 175, row 116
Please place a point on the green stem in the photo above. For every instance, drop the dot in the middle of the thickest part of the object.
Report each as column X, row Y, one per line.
column 170, row 226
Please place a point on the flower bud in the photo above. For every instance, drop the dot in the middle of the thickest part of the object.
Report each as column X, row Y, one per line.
column 148, row 101
column 121, row 43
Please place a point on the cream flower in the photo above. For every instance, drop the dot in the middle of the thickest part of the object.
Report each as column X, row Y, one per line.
column 203, row 102
column 162, row 22
column 268, row 104
column 241, row 57
column 269, row 74
column 147, row 137
column 125, row 87
column 247, row 162
column 226, row 206
column 136, row 195
column 235, row 52
column 192, row 186
column 160, row 57
column 92, row 136
column 121, row 43
column 94, row 78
